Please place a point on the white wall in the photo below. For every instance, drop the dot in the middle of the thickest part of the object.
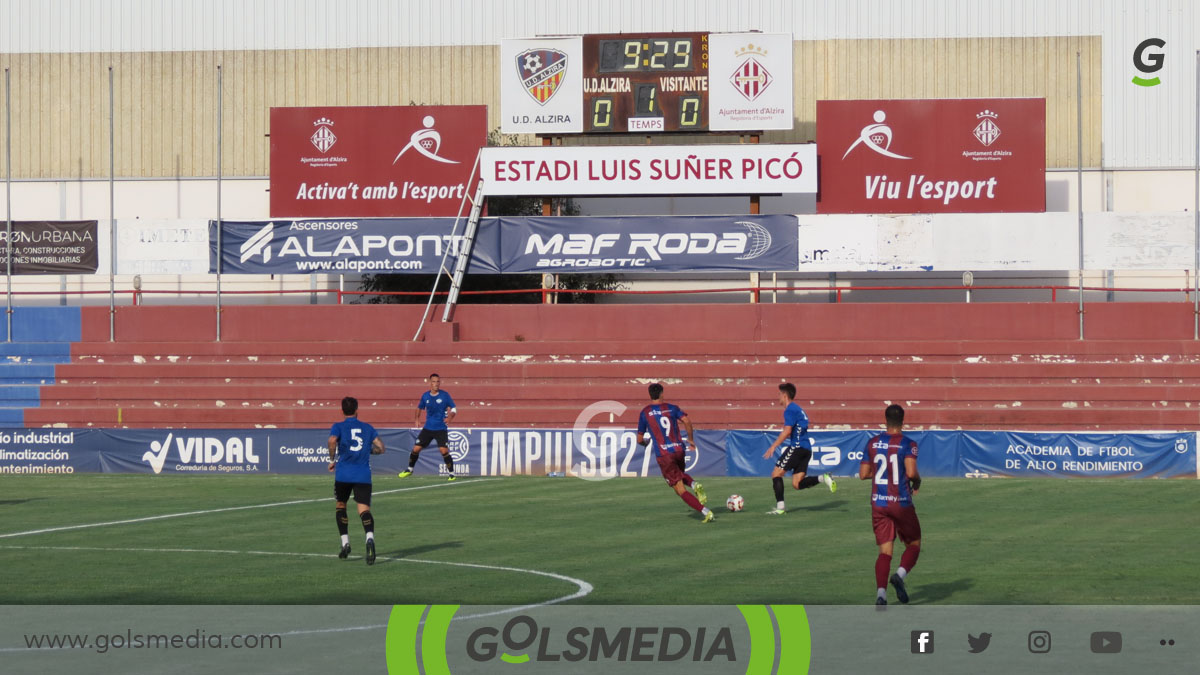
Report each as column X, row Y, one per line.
column 1142, row 127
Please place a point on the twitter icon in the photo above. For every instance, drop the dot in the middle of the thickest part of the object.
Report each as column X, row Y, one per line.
column 978, row 644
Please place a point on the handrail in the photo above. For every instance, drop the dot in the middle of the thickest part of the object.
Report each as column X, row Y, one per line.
column 137, row 294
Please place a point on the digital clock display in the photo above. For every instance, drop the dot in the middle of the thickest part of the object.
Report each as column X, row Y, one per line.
column 647, row 83
column 647, row 54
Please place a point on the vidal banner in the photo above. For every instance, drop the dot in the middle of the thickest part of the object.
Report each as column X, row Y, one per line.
column 592, row 454
column 981, row 155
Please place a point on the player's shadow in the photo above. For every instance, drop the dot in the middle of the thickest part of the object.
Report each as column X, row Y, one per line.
column 13, row 502
column 936, row 592
column 397, row 554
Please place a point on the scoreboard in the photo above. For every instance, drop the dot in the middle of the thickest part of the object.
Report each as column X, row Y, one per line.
column 645, row 83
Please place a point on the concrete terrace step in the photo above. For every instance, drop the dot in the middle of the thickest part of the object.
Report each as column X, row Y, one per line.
column 588, row 371
column 430, row 364
column 703, row 416
column 553, row 393
column 35, row 352
column 803, row 384
column 690, row 349
column 826, row 411
column 26, row 373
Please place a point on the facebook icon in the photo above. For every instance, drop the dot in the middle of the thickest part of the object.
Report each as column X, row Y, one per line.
column 921, row 642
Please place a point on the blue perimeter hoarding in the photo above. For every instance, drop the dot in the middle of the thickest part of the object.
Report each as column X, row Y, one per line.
column 508, row 245
column 594, row 454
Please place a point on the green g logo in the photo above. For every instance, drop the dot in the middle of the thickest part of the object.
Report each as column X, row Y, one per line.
column 1148, row 63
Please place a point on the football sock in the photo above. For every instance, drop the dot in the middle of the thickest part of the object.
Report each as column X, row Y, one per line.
column 370, row 536
column 881, row 593
column 345, row 540
column 777, row 483
column 908, row 560
column 779, row 505
column 368, row 523
column 883, row 564
column 690, row 500
column 343, row 523
column 687, row 480
column 412, row 460
column 449, row 460
column 808, row 481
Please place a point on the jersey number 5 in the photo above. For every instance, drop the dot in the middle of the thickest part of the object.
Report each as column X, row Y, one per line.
column 881, row 477
column 356, row 434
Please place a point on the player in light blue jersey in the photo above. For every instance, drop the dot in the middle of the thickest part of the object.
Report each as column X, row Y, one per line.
column 797, row 450
column 351, row 444
column 439, row 411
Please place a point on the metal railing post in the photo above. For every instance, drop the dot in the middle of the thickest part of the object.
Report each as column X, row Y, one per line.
column 112, row 211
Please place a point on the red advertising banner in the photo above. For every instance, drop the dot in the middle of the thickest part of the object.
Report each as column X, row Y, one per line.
column 373, row 161
column 975, row 155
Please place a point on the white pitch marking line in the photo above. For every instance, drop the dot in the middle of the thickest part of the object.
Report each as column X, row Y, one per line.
column 584, row 588
column 222, row 510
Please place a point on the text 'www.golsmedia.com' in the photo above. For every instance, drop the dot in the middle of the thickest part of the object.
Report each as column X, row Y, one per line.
column 197, row 639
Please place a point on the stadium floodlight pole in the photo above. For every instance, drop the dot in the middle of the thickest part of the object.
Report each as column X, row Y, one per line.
column 8, row 199
column 220, row 225
column 112, row 220
column 1079, row 175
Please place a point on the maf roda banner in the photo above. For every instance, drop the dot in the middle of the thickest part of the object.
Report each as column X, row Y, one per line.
column 373, row 161
column 649, row 244
column 980, row 155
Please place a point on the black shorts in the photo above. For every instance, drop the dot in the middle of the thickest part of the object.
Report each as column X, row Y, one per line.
column 794, row 459
column 426, row 435
column 362, row 492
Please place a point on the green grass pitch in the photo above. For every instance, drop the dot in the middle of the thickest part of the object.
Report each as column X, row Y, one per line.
column 632, row 540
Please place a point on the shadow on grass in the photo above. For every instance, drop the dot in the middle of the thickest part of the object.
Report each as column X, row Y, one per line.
column 393, row 556
column 930, row 593
column 14, row 502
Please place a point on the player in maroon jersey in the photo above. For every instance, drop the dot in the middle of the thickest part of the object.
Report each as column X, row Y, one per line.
column 662, row 421
column 892, row 510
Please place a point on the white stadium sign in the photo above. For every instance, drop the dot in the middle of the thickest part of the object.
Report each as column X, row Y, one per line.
column 647, row 170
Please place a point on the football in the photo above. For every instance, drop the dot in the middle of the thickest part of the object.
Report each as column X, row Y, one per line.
column 735, row 503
